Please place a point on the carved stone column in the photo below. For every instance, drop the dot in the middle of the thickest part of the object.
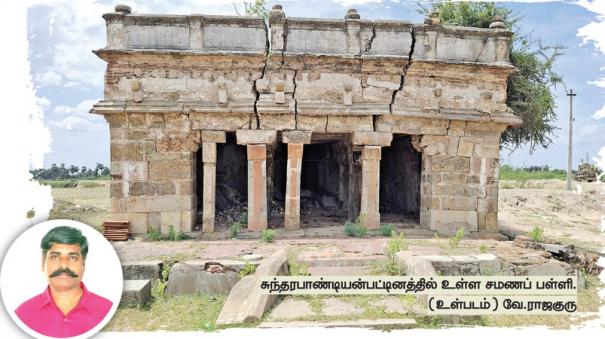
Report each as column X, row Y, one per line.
column 372, row 143
column 256, row 142
column 295, row 141
column 209, row 140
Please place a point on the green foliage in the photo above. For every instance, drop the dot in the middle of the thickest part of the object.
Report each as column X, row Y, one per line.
column 530, row 90
column 62, row 172
column 154, row 234
column 508, row 172
column 254, row 8
column 355, row 229
column 483, row 248
column 248, row 269
column 159, row 288
column 386, row 229
column 176, row 236
column 31, row 213
column 394, row 245
column 267, row 235
column 234, row 230
column 59, row 183
column 243, row 219
column 536, row 234
column 297, row 268
column 455, row 240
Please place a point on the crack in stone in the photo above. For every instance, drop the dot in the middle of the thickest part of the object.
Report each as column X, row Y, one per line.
column 285, row 43
column 262, row 76
column 368, row 46
column 295, row 102
column 405, row 70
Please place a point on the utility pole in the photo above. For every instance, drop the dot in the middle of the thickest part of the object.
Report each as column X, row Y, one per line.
column 571, row 94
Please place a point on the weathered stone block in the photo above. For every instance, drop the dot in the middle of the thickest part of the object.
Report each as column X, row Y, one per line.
column 296, row 137
column 191, row 278
column 130, row 150
column 214, row 136
column 450, row 164
column 372, row 138
column 312, row 123
column 138, row 221
column 346, row 124
column 137, row 270
column 178, row 143
column 135, row 293
column 139, row 188
column 169, row 170
column 486, row 151
column 249, row 136
column 459, row 203
column 160, row 203
column 170, row 218
column 447, row 222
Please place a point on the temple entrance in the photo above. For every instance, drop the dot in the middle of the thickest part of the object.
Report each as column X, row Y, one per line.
column 231, row 183
column 400, row 169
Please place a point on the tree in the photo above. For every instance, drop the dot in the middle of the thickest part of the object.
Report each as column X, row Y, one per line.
column 530, row 91
column 256, row 8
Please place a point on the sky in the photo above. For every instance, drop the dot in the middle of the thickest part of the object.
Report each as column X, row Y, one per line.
column 68, row 77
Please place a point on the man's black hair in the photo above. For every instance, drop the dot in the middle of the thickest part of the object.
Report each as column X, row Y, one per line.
column 64, row 235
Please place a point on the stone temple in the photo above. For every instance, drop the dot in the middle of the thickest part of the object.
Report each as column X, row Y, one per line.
column 301, row 122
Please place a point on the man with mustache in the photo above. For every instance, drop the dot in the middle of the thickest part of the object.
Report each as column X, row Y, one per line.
column 65, row 308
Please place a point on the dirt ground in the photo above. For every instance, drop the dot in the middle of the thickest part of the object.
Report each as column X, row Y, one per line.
column 575, row 217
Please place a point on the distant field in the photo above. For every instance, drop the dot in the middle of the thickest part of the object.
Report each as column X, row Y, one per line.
column 510, row 173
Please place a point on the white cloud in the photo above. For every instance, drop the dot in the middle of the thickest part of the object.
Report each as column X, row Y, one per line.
column 346, row 3
column 48, row 78
column 75, row 123
column 77, row 118
column 600, row 114
column 599, row 82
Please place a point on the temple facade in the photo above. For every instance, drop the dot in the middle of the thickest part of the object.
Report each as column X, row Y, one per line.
column 292, row 122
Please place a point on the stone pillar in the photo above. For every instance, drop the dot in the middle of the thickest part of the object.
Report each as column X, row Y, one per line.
column 354, row 184
column 209, row 141
column 256, row 142
column 295, row 141
column 372, row 143
column 370, row 185
column 257, row 187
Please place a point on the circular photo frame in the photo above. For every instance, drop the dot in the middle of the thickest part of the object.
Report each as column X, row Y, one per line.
column 61, row 279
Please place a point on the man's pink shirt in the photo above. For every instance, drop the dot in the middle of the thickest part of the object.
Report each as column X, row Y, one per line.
column 42, row 315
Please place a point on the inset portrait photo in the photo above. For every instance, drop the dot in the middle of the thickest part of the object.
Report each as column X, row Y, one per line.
column 61, row 279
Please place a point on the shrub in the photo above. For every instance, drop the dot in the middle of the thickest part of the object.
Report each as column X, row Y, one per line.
column 234, row 229
column 267, row 235
column 394, row 245
column 483, row 248
column 386, row 229
column 243, row 219
column 536, row 234
column 455, row 240
column 297, row 268
column 248, row 269
column 173, row 235
column 153, row 234
column 355, row 229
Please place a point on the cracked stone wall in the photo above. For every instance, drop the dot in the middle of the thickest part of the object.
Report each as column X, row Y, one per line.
column 170, row 80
